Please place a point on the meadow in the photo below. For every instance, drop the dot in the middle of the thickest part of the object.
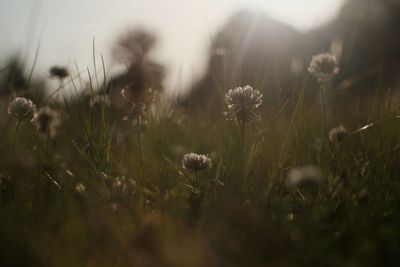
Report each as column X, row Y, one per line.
column 273, row 185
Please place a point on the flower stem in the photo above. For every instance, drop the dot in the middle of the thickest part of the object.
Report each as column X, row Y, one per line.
column 323, row 109
column 16, row 135
column 140, row 146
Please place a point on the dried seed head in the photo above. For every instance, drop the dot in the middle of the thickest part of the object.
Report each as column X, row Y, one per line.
column 48, row 121
column 21, row 108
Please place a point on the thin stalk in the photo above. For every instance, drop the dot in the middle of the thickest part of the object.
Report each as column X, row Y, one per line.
column 16, row 135
column 243, row 131
column 196, row 178
column 140, row 145
column 61, row 83
column 323, row 109
column 47, row 148
column 243, row 137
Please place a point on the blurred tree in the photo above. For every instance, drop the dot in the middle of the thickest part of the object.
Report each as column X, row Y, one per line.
column 14, row 79
column 132, row 50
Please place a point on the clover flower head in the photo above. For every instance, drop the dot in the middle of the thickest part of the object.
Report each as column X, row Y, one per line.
column 47, row 121
column 337, row 134
column 241, row 104
column 305, row 176
column 22, row 109
column 196, row 162
column 324, row 67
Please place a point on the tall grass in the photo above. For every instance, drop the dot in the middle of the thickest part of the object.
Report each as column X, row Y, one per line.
column 138, row 208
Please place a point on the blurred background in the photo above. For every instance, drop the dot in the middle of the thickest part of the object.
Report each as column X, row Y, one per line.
column 185, row 29
column 188, row 49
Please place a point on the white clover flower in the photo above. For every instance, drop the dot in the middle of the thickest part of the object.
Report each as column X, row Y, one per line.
column 324, row 67
column 48, row 121
column 337, row 134
column 196, row 162
column 241, row 104
column 80, row 188
column 21, row 108
column 304, row 177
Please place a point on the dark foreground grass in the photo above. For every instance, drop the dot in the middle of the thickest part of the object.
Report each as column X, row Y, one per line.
column 108, row 192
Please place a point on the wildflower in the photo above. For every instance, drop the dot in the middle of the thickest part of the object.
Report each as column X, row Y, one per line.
column 196, row 162
column 337, row 134
column 324, row 67
column 21, row 108
column 304, row 177
column 241, row 104
column 80, row 188
column 59, row 72
column 47, row 121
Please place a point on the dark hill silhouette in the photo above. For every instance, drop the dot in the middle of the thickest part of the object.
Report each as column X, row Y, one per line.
column 249, row 48
column 369, row 30
column 254, row 49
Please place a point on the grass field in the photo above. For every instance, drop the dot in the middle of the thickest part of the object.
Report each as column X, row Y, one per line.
column 109, row 189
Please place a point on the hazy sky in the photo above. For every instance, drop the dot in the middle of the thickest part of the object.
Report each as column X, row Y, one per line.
column 185, row 28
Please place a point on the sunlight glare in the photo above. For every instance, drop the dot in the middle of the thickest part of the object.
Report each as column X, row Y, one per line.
column 300, row 14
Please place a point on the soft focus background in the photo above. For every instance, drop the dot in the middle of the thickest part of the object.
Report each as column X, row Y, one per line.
column 101, row 103
column 65, row 29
